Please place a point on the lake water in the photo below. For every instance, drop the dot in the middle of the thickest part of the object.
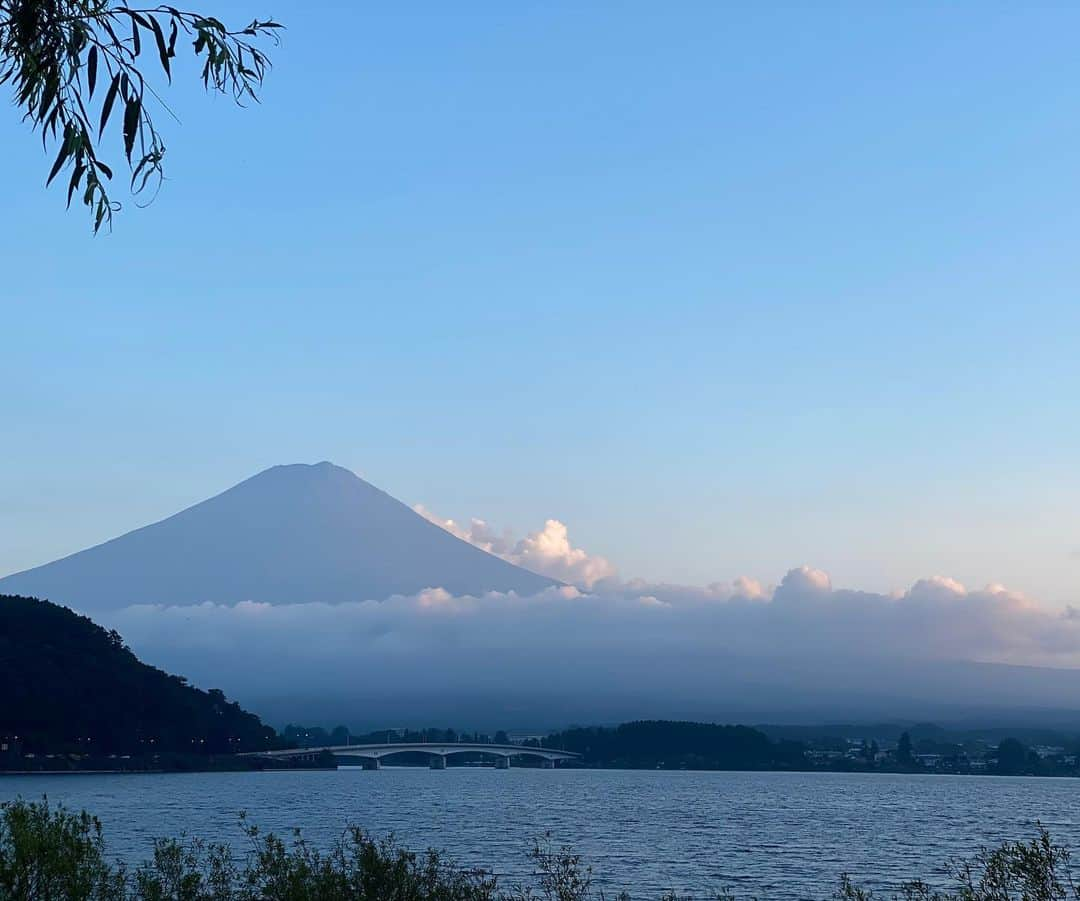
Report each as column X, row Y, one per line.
column 784, row 835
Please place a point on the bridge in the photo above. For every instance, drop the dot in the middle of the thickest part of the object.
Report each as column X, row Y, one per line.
column 371, row 756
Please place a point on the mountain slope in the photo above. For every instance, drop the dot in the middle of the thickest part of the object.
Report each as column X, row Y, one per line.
column 65, row 680
column 291, row 534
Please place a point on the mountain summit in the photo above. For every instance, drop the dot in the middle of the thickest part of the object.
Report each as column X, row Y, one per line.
column 291, row 534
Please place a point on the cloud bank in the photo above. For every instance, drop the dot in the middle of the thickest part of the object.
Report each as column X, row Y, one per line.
column 935, row 619
column 601, row 648
column 626, row 649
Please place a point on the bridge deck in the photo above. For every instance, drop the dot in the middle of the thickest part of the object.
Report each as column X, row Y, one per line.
column 377, row 751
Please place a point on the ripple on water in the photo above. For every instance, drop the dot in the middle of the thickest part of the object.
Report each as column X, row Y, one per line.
column 776, row 835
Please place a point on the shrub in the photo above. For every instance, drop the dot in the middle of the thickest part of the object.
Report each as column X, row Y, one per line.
column 51, row 854
column 1036, row 870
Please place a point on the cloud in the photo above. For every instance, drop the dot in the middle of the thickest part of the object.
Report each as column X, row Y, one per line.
column 630, row 649
column 547, row 552
column 937, row 617
column 600, row 648
column 550, row 553
column 477, row 532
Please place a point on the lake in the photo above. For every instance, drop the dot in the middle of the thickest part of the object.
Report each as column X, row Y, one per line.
column 786, row 835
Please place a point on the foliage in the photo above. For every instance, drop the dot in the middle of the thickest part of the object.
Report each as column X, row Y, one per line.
column 561, row 874
column 1012, row 756
column 317, row 736
column 72, row 64
column 1036, row 870
column 46, row 853
column 903, row 750
column 50, row 853
column 675, row 744
column 69, row 685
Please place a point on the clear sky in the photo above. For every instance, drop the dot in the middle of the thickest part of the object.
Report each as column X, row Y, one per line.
column 728, row 290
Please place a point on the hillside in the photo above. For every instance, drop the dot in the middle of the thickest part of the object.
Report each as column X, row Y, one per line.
column 291, row 534
column 67, row 684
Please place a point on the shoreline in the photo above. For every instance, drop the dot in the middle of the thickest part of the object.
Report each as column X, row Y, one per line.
column 334, row 769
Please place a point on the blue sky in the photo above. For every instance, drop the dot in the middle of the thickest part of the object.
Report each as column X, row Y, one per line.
column 727, row 290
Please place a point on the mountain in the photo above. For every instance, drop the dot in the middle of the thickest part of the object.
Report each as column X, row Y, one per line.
column 604, row 686
column 64, row 680
column 291, row 534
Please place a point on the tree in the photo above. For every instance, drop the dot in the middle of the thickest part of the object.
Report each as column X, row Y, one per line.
column 1012, row 756
column 903, row 750
column 64, row 680
column 72, row 64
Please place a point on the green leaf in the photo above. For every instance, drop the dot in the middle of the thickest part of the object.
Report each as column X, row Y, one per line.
column 61, row 158
column 110, row 98
column 91, row 70
column 50, row 125
column 51, row 87
column 163, row 50
column 76, row 177
column 131, row 124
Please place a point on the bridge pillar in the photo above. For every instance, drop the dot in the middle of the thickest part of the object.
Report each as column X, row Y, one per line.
column 438, row 762
column 502, row 763
column 546, row 764
column 372, row 764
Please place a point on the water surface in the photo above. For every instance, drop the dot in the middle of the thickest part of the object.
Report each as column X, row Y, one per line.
column 786, row 835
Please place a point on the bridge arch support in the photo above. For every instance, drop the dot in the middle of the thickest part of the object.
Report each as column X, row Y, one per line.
column 373, row 754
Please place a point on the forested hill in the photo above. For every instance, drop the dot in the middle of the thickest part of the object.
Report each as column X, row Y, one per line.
column 66, row 684
column 674, row 744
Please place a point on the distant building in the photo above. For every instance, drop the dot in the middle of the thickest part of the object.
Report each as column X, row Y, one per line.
column 1045, row 751
column 822, row 756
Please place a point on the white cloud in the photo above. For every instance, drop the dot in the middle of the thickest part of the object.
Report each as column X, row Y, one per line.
column 477, row 532
column 663, row 647
column 547, row 551
column 550, row 553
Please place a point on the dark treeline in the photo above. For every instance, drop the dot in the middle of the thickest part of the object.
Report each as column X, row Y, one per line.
column 636, row 745
column 69, row 686
column 679, row 745
column 318, row 737
column 686, row 745
column 927, row 747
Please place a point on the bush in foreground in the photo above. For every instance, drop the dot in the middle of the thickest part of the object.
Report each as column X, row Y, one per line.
column 52, row 854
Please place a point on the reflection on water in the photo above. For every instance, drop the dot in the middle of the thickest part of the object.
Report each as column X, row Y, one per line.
column 771, row 834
